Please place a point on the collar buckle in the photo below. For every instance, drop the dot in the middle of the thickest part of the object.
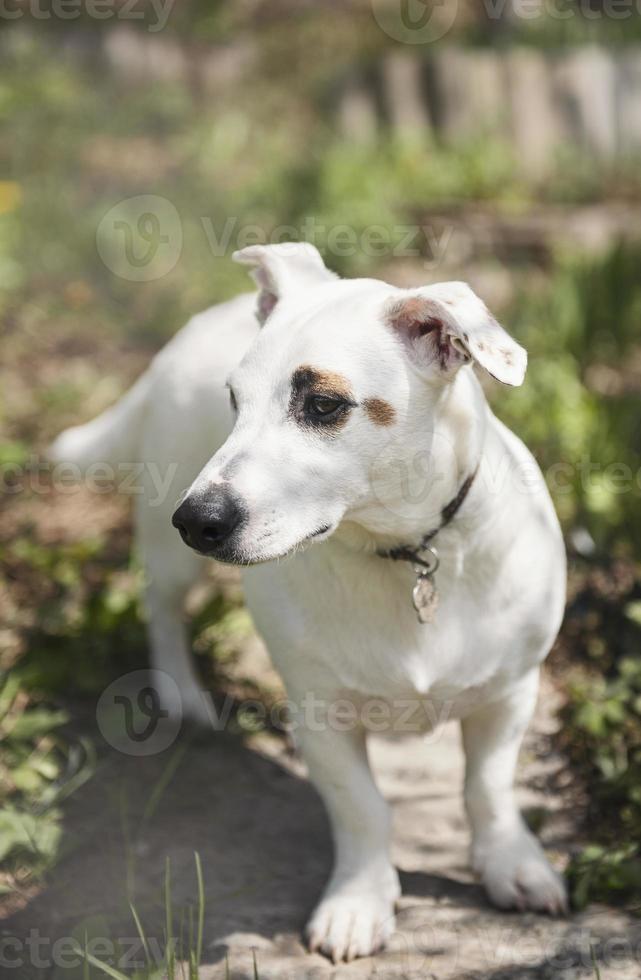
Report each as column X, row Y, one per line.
column 426, row 560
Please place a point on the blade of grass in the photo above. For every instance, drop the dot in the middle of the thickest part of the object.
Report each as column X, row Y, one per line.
column 86, row 970
column 161, row 785
column 143, row 938
column 256, row 977
column 130, row 859
column 181, row 944
column 597, row 971
column 193, row 965
column 8, row 694
column 170, row 955
column 201, row 909
column 105, row 967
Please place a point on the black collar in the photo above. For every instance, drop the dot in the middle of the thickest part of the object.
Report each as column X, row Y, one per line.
column 413, row 553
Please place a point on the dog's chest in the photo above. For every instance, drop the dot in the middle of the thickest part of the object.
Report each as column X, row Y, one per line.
column 350, row 624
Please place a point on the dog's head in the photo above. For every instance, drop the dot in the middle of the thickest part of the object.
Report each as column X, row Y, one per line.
column 350, row 397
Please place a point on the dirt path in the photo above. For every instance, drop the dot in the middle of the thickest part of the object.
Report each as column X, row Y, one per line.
column 263, row 839
column 445, row 927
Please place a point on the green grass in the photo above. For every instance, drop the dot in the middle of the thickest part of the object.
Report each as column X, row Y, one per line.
column 602, row 734
column 581, row 330
column 179, row 951
column 39, row 769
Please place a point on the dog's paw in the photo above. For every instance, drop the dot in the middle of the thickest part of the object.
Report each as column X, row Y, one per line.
column 346, row 925
column 517, row 875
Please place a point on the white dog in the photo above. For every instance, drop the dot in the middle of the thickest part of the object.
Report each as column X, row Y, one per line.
column 358, row 441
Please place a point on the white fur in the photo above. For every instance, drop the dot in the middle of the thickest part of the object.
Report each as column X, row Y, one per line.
column 337, row 618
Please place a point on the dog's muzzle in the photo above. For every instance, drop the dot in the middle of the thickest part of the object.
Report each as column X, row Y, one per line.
column 208, row 523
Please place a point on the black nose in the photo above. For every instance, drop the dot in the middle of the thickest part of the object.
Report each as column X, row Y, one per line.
column 206, row 523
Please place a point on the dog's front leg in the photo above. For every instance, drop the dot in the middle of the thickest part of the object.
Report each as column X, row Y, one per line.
column 355, row 915
column 509, row 859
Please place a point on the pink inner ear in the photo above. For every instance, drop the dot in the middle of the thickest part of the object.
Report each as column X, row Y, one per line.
column 442, row 349
column 408, row 316
column 426, row 333
column 266, row 303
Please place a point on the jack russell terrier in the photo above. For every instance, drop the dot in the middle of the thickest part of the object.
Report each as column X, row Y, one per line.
column 343, row 428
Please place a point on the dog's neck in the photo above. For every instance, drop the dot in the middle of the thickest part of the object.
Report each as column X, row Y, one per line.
column 413, row 550
column 441, row 485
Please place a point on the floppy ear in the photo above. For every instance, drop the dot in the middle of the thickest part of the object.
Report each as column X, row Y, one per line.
column 277, row 269
column 446, row 325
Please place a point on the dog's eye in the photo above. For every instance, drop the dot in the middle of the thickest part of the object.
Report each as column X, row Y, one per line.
column 232, row 401
column 323, row 407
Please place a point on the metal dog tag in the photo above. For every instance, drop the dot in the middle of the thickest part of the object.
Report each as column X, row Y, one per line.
column 425, row 597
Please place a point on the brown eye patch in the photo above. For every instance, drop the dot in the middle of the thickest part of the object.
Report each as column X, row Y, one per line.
column 313, row 392
column 379, row 411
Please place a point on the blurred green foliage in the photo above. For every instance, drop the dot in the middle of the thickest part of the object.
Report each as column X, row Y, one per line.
column 549, row 25
column 74, row 146
column 579, row 413
column 579, row 410
column 38, row 769
column 602, row 729
column 88, row 628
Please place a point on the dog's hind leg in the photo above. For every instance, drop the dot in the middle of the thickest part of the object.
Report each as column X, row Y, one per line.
column 509, row 859
column 170, row 571
column 171, row 654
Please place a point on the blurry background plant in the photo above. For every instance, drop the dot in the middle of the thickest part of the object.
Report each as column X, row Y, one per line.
column 226, row 114
column 38, row 769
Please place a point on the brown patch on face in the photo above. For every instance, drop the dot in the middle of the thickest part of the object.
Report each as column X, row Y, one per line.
column 318, row 382
column 379, row 411
column 308, row 383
